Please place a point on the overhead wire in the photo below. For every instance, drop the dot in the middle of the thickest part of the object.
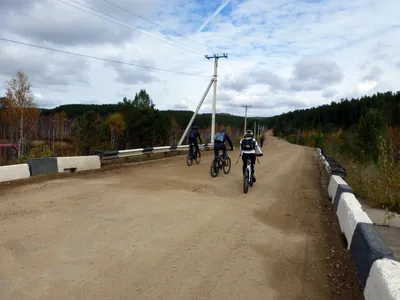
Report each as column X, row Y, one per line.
column 137, row 15
column 102, row 59
column 157, row 24
column 81, row 9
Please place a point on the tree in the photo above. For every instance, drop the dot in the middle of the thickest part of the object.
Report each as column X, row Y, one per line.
column 371, row 128
column 175, row 131
column 20, row 112
column 116, row 125
column 90, row 132
column 145, row 125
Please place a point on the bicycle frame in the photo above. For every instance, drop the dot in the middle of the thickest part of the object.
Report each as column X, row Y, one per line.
column 192, row 151
column 220, row 159
column 249, row 169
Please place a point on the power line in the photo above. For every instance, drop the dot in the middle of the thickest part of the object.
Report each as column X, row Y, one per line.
column 195, row 51
column 230, row 65
column 160, row 35
column 94, row 9
column 99, row 58
column 170, row 30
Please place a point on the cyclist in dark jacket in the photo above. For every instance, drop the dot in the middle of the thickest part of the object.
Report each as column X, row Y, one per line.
column 248, row 146
column 219, row 142
column 193, row 136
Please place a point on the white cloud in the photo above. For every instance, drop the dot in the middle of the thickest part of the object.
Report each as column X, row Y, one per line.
column 283, row 54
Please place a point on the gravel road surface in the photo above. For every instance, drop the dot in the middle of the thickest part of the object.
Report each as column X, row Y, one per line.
column 163, row 230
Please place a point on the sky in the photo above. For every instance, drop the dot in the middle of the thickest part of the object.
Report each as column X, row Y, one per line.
column 282, row 54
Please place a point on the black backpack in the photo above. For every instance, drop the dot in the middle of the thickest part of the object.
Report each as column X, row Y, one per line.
column 248, row 144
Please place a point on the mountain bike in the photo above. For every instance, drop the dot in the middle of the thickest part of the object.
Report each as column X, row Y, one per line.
column 247, row 178
column 219, row 163
column 193, row 155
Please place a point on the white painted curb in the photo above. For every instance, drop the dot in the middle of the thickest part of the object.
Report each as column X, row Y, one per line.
column 383, row 281
column 350, row 213
column 14, row 172
column 81, row 163
column 333, row 186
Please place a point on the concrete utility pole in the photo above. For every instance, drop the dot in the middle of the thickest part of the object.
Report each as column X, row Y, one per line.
column 245, row 117
column 214, row 104
column 195, row 113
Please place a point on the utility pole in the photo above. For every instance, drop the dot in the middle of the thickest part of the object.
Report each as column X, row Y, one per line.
column 245, row 117
column 214, row 104
column 195, row 113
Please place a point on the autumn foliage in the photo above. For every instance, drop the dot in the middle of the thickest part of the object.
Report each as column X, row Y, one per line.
column 19, row 112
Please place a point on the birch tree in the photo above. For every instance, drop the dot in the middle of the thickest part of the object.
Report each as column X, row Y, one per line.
column 20, row 111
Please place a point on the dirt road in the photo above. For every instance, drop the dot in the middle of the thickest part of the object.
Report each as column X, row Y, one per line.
column 163, row 230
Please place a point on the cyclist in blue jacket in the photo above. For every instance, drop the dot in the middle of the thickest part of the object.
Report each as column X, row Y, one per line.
column 219, row 142
column 193, row 136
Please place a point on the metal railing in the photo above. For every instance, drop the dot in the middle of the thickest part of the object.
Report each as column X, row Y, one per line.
column 106, row 155
column 331, row 165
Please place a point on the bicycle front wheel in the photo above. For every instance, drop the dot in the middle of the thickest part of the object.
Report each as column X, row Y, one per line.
column 246, row 181
column 227, row 165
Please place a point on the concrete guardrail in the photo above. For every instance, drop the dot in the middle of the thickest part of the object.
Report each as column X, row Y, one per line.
column 52, row 165
column 377, row 269
column 14, row 172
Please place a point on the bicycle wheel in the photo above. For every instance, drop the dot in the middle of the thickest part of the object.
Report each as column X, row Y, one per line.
column 198, row 157
column 214, row 169
column 189, row 159
column 227, row 165
column 250, row 178
column 246, row 181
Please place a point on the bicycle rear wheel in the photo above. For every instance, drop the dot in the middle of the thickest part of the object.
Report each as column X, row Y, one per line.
column 214, row 169
column 246, row 181
column 198, row 157
column 227, row 165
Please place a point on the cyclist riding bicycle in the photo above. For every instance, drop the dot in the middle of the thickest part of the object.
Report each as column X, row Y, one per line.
column 248, row 145
column 219, row 142
column 193, row 136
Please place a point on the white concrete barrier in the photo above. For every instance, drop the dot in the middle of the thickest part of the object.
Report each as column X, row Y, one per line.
column 350, row 213
column 14, row 172
column 383, row 282
column 80, row 163
column 333, row 185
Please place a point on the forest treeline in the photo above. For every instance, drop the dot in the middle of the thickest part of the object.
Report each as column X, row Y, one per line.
column 80, row 129
column 362, row 134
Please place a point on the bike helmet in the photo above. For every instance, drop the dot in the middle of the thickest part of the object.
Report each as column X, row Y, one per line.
column 223, row 130
column 195, row 127
column 249, row 132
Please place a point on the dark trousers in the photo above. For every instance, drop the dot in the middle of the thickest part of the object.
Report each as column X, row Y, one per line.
column 195, row 145
column 219, row 147
column 252, row 157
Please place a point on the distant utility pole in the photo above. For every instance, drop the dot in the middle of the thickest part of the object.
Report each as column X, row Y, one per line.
column 245, row 117
column 214, row 104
